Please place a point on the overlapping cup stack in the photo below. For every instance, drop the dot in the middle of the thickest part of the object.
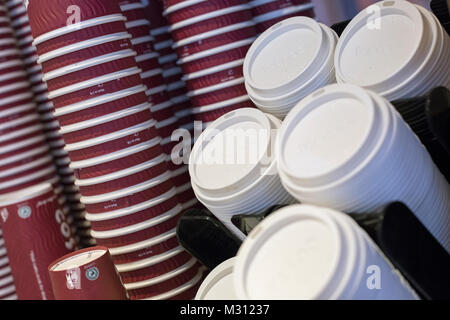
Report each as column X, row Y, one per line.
column 233, row 167
column 36, row 233
column 402, row 54
column 160, row 104
column 269, row 12
column 347, row 148
column 211, row 39
column 276, row 80
column 314, row 253
column 7, row 288
column 20, row 24
column 114, row 144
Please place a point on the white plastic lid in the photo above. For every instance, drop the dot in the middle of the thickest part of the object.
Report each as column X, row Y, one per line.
column 269, row 70
column 228, row 153
column 379, row 43
column 219, row 284
column 78, row 260
column 295, row 253
column 328, row 134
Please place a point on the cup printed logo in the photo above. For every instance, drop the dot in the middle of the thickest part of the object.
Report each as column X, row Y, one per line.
column 24, row 212
column 92, row 273
column 4, row 213
column 73, row 279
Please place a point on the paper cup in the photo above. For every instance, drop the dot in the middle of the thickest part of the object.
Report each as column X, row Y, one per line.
column 218, row 93
column 37, row 217
column 215, row 111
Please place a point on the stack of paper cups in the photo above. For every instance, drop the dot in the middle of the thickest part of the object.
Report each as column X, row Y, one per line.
column 36, row 233
column 276, row 80
column 21, row 26
column 348, row 149
column 269, row 12
column 87, row 274
column 7, row 288
column 208, row 35
column 232, row 167
column 402, row 52
column 161, row 105
column 113, row 142
column 315, row 253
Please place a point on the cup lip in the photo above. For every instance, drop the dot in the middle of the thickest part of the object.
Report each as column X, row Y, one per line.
column 6, row 30
column 137, row 23
column 83, row 45
column 273, row 224
column 168, row 58
column 166, row 122
column 20, row 21
column 122, row 173
column 30, row 165
column 221, row 124
column 155, row 90
column 104, row 119
column 172, row 71
column 213, row 33
column 218, row 273
column 9, row 52
column 256, row 3
column 75, row 254
column 147, row 56
column 110, row 137
column 179, row 290
column 4, row 260
column 163, row 44
column 180, row 5
column 127, row 191
column 148, row 262
column 111, row 156
column 160, row 219
column 131, row 6
column 22, row 144
column 143, row 39
column 18, row 109
column 216, row 87
column 176, row 85
column 179, row 99
column 25, row 194
column 22, row 132
column 109, row 57
column 217, row 50
column 401, row 7
column 161, row 106
column 167, row 276
column 133, row 209
column 76, row 27
column 95, row 81
column 221, row 104
column 19, row 121
column 160, row 30
column 151, row 73
column 8, row 41
column 209, row 15
column 7, row 290
column 212, row 70
column 18, row 11
column 282, row 12
column 106, row 98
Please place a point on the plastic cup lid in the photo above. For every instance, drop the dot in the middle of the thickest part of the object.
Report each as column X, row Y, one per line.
column 212, row 33
column 219, row 284
column 269, row 71
column 77, row 26
column 303, row 248
column 210, row 52
column 372, row 51
column 329, row 133
column 222, row 159
column 208, row 15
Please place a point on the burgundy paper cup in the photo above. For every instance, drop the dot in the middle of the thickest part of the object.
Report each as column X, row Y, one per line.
column 181, row 179
column 130, row 238
column 87, row 274
column 178, row 91
column 134, row 215
column 88, row 110
column 145, row 47
column 153, row 78
column 19, row 124
column 216, row 41
column 104, row 165
column 181, row 104
column 211, row 24
column 125, row 179
column 276, row 5
column 137, row 31
column 166, row 131
column 206, row 79
column 36, row 233
column 77, row 36
column 45, row 17
column 263, row 26
column 107, row 87
column 9, row 93
column 161, row 34
column 147, row 62
column 164, row 286
column 19, row 136
column 118, row 141
column 86, row 133
column 218, row 95
column 81, row 54
column 22, row 156
column 43, row 176
column 215, row 59
column 37, row 166
column 133, row 10
column 173, row 76
column 175, row 15
column 17, row 113
column 156, row 187
column 91, row 72
column 158, row 269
